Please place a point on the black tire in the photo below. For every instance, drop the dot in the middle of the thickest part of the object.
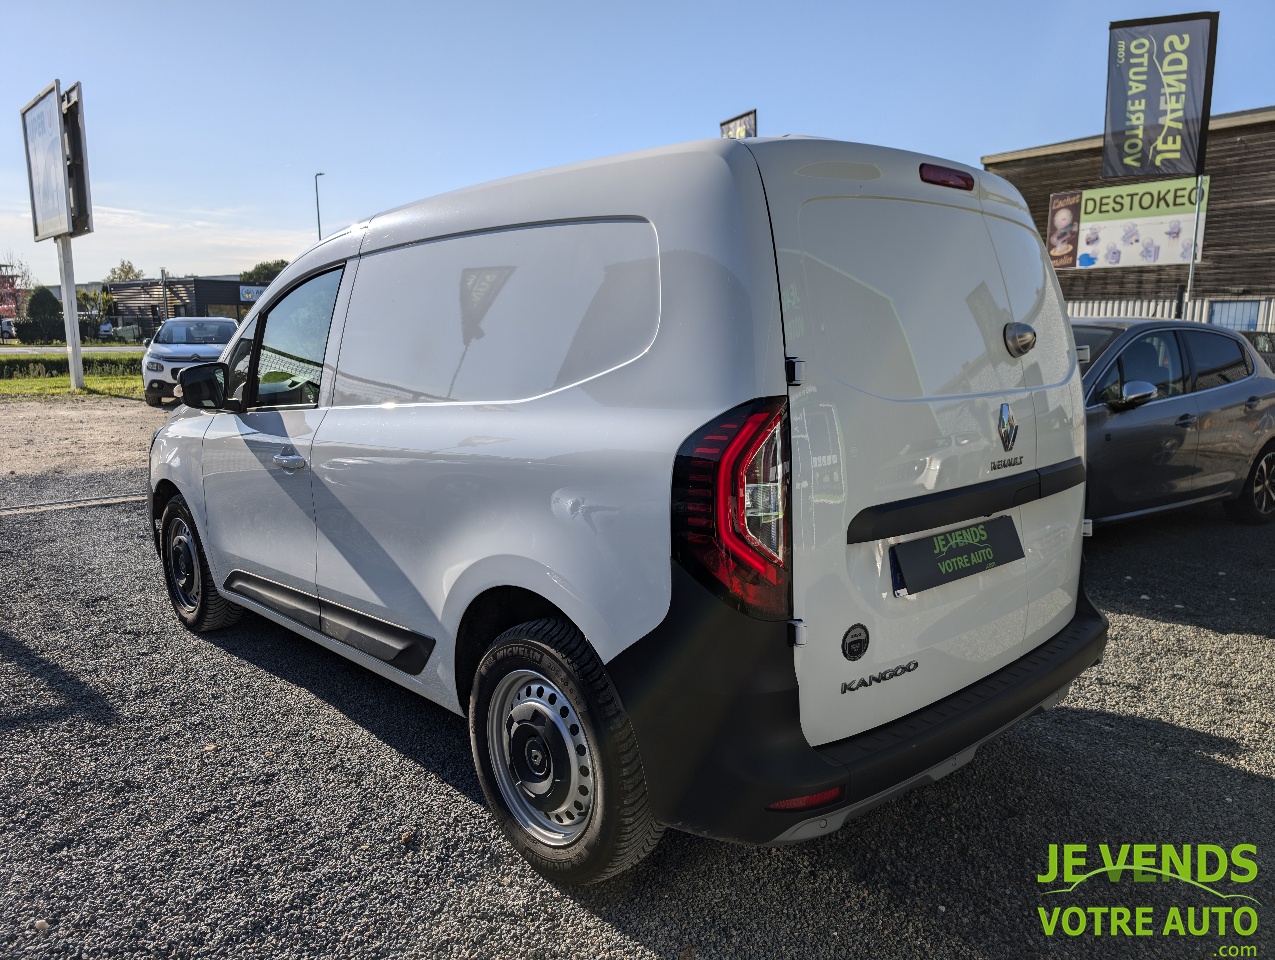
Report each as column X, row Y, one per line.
column 191, row 589
column 154, row 401
column 1256, row 503
column 610, row 827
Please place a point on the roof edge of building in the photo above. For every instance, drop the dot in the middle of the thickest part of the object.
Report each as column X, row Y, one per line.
column 1223, row 121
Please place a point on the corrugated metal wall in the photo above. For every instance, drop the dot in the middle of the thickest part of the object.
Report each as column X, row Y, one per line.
column 1200, row 311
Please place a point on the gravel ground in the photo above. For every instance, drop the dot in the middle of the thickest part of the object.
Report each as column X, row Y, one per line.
column 252, row 795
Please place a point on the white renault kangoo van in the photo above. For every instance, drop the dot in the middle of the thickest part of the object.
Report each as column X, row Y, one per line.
column 734, row 487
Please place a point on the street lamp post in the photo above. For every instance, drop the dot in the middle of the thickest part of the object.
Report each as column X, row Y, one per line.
column 318, row 222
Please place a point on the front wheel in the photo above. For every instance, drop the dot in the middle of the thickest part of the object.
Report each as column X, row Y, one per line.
column 1256, row 502
column 186, row 574
column 557, row 757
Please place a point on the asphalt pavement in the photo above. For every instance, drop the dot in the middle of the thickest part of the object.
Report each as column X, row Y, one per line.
column 250, row 794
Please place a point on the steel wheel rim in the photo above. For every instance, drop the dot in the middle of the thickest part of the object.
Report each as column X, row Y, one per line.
column 542, row 761
column 182, row 564
column 1264, row 485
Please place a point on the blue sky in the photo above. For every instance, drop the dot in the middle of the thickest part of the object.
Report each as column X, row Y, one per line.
column 206, row 122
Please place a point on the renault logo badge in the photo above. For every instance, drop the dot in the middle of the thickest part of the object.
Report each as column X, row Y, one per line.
column 1008, row 428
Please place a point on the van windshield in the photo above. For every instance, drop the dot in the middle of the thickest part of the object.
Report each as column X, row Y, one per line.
column 196, row 331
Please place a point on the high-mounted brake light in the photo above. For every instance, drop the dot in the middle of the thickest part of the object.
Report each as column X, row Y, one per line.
column 946, row 176
column 810, row 800
column 731, row 524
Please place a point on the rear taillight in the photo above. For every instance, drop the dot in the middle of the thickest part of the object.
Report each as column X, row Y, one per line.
column 731, row 517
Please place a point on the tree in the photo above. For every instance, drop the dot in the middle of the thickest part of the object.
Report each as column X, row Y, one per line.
column 263, row 273
column 23, row 279
column 125, row 271
column 95, row 303
column 44, row 318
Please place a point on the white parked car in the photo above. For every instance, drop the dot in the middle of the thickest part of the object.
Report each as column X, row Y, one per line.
column 178, row 344
column 734, row 487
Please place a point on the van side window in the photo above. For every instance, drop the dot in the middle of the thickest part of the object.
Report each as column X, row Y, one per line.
column 1218, row 359
column 499, row 316
column 290, row 358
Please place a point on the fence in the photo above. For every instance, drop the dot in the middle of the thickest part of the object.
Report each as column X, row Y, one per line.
column 1239, row 313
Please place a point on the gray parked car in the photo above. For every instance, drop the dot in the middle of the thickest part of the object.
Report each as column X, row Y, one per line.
column 1177, row 413
column 1263, row 342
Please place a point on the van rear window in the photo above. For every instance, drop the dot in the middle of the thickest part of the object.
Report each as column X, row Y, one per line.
column 906, row 299
column 505, row 315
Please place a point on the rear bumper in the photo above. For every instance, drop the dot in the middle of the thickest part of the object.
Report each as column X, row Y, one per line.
column 712, row 695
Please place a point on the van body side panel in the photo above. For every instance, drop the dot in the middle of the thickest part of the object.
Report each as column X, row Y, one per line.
column 895, row 296
column 424, row 500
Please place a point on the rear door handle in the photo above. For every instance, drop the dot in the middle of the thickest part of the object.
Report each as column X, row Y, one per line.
column 1252, row 403
column 1186, row 420
column 289, row 462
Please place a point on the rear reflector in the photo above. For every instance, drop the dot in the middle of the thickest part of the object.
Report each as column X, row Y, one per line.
column 812, row 800
column 946, row 176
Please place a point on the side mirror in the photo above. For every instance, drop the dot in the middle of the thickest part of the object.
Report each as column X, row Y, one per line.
column 146, row 342
column 203, row 386
column 1137, row 392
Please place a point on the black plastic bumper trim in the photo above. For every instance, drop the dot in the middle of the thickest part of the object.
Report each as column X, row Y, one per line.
column 896, row 751
column 401, row 648
column 713, row 699
column 946, row 507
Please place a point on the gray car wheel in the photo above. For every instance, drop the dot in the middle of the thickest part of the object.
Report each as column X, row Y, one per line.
column 1256, row 502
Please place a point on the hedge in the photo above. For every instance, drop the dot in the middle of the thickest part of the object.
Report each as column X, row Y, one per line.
column 22, row 366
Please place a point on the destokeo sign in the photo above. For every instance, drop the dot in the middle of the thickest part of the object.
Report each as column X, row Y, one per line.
column 1140, row 225
column 1159, row 85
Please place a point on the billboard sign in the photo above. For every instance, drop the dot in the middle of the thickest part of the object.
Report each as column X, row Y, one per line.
column 736, row 128
column 46, row 164
column 1159, row 90
column 1137, row 225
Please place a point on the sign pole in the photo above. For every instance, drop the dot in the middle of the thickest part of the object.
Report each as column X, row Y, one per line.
column 1195, row 240
column 70, row 315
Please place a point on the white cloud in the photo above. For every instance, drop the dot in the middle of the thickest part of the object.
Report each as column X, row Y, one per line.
column 198, row 241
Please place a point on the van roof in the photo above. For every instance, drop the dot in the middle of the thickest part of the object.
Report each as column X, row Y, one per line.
column 718, row 147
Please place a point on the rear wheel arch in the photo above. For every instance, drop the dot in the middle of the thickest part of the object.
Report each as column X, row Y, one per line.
column 488, row 615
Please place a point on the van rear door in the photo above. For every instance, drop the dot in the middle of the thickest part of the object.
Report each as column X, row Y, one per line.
column 914, row 429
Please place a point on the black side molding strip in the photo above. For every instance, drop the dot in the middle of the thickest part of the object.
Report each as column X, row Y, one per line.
column 293, row 604
column 966, row 503
column 397, row 646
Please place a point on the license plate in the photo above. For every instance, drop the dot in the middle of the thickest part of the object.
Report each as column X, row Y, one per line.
column 953, row 555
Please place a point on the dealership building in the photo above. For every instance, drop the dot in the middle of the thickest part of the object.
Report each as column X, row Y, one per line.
column 1234, row 283
column 147, row 303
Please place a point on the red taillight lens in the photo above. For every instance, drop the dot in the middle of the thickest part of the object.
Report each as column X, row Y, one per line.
column 731, row 523
column 810, row 800
column 946, row 176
